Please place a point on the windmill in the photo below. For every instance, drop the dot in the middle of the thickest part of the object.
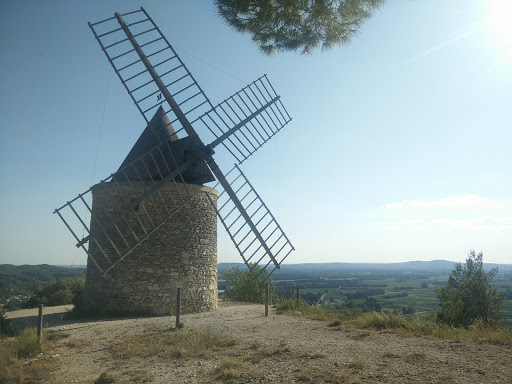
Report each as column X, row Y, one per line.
column 157, row 194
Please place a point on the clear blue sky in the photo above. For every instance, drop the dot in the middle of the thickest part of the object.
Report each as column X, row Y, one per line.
column 400, row 146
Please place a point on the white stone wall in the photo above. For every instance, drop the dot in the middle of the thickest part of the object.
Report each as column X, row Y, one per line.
column 181, row 253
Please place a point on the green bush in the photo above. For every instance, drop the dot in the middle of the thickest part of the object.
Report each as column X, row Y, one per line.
column 480, row 330
column 27, row 343
column 5, row 326
column 243, row 286
column 468, row 296
column 65, row 291
column 291, row 304
column 316, row 312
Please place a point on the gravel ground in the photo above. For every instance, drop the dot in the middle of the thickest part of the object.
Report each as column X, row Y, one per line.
column 307, row 351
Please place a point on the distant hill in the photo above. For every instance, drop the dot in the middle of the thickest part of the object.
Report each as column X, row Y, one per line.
column 23, row 279
column 16, row 280
column 436, row 267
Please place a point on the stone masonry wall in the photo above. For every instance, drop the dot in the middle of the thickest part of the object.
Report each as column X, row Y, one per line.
column 181, row 253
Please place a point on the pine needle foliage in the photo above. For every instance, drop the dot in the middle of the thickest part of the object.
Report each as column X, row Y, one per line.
column 468, row 296
column 297, row 25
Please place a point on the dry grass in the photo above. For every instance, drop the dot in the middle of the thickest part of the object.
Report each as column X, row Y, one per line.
column 55, row 336
column 137, row 376
column 20, row 359
column 27, row 344
column 390, row 355
column 445, row 380
column 479, row 331
column 356, row 365
column 360, row 335
column 171, row 344
column 289, row 307
column 321, row 375
column 228, row 370
column 335, row 323
column 106, row 378
column 412, row 327
column 77, row 343
column 415, row 356
column 279, row 352
column 274, row 351
column 312, row 355
column 260, row 354
column 126, row 377
column 255, row 344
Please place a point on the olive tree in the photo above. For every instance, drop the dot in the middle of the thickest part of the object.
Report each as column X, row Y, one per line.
column 468, row 295
column 244, row 287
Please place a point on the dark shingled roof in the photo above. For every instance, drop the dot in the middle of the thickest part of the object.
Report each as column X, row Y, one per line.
column 157, row 131
column 151, row 150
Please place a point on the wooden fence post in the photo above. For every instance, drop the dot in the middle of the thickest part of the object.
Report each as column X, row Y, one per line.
column 40, row 323
column 178, row 308
column 266, row 298
column 297, row 293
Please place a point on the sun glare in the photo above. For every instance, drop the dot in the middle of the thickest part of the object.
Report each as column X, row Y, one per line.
column 500, row 23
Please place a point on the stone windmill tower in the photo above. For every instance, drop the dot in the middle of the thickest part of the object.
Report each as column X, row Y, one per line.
column 175, row 255
column 153, row 223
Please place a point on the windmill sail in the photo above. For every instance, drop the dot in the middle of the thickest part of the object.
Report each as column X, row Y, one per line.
column 245, row 239
column 247, row 120
column 117, row 234
column 155, row 78
column 130, row 64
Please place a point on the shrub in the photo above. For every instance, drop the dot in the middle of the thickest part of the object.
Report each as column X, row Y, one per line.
column 315, row 312
column 335, row 323
column 468, row 296
column 106, row 378
column 65, row 291
column 228, row 370
column 13, row 368
column 5, row 326
column 27, row 343
column 480, row 330
column 243, row 286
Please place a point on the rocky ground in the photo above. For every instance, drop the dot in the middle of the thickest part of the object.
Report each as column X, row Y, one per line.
column 273, row 349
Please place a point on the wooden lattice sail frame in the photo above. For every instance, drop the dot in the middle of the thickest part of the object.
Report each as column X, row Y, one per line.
column 155, row 77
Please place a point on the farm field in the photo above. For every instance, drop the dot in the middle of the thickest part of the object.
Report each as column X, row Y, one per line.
column 402, row 292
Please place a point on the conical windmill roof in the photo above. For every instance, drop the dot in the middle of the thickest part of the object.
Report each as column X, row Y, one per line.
column 157, row 131
column 152, row 159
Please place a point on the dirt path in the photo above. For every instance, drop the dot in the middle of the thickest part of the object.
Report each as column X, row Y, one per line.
column 278, row 349
column 320, row 299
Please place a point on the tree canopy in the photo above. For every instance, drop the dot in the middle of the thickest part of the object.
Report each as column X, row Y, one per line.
column 66, row 291
column 468, row 295
column 292, row 25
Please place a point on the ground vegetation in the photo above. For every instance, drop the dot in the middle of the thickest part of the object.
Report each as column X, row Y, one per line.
column 468, row 296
